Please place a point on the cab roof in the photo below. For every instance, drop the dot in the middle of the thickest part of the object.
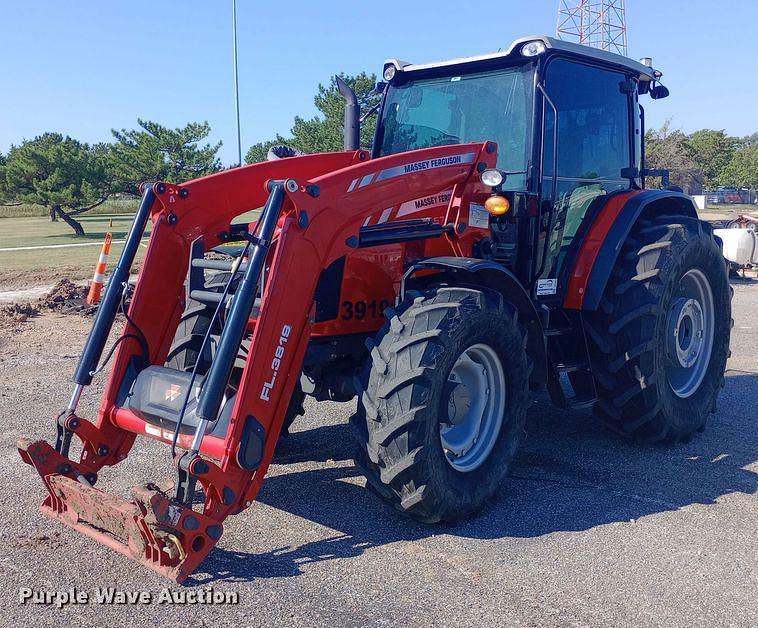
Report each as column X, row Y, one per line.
column 646, row 73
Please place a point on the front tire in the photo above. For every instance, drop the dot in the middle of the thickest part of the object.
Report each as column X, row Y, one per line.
column 445, row 395
column 184, row 352
column 660, row 340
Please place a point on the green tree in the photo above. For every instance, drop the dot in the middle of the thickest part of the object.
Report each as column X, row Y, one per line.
column 742, row 170
column 712, row 152
column 64, row 175
column 156, row 153
column 669, row 149
column 4, row 196
column 749, row 140
column 258, row 152
column 323, row 132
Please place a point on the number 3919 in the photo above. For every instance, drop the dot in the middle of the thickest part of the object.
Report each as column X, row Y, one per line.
column 360, row 309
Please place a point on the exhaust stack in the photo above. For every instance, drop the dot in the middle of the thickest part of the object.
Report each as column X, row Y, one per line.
column 352, row 127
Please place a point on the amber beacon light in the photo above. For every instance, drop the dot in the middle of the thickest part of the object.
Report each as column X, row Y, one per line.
column 497, row 205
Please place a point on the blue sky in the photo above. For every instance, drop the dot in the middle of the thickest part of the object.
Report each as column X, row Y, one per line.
column 84, row 67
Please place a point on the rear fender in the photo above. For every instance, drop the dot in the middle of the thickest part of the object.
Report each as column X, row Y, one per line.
column 477, row 272
column 597, row 256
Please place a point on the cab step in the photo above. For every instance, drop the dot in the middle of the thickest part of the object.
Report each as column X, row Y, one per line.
column 567, row 402
column 571, row 367
column 559, row 331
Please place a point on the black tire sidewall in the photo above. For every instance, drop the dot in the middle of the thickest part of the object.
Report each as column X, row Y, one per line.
column 703, row 254
column 467, row 491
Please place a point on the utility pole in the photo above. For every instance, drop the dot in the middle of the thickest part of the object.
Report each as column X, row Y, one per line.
column 236, row 84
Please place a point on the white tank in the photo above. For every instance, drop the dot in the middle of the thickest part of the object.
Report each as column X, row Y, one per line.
column 740, row 245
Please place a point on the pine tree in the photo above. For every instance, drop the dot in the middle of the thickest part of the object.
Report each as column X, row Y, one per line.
column 64, row 175
column 323, row 133
column 156, row 153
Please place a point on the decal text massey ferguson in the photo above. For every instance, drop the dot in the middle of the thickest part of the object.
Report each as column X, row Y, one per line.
column 276, row 362
column 426, row 202
column 433, row 163
column 416, row 166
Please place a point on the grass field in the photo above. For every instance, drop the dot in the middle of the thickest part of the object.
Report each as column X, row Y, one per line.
column 45, row 265
column 39, row 231
column 29, row 225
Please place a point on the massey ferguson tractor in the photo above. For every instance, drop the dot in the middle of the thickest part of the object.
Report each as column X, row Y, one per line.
column 497, row 238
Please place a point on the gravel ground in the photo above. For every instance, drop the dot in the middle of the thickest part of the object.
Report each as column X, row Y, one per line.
column 590, row 530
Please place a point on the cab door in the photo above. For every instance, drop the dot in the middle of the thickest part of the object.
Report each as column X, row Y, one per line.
column 587, row 148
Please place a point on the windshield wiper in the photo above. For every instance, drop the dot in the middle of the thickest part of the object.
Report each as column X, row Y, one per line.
column 370, row 112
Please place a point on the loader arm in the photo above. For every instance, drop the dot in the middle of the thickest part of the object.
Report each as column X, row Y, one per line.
column 318, row 204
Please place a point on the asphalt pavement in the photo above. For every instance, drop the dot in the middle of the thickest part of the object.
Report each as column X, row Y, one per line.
column 590, row 530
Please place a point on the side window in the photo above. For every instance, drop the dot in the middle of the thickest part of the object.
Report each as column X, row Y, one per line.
column 593, row 145
column 593, row 127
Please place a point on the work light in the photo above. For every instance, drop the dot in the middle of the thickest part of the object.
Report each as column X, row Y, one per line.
column 492, row 177
column 533, row 49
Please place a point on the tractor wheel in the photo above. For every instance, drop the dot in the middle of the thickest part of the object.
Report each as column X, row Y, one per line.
column 660, row 340
column 188, row 341
column 445, row 394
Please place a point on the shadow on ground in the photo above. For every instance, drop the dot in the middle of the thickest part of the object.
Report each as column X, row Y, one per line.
column 95, row 228
column 570, row 475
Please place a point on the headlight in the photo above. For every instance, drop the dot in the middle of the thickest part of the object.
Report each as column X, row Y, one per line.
column 533, row 49
column 389, row 73
column 492, row 177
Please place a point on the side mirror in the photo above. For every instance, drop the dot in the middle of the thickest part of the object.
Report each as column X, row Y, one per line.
column 658, row 92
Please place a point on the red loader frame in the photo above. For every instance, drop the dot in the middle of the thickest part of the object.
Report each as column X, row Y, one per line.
column 317, row 205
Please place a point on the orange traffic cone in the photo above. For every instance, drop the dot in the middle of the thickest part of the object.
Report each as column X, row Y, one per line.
column 96, row 287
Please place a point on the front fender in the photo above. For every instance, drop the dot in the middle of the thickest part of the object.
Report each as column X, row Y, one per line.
column 488, row 274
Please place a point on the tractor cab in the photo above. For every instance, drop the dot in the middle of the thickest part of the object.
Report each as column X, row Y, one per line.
column 568, row 125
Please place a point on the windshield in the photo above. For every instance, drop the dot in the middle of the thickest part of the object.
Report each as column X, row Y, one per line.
column 494, row 106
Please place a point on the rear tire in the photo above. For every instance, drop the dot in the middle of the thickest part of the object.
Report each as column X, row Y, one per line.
column 412, row 402
column 660, row 340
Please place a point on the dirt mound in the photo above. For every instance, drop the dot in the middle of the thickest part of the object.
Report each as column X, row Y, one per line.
column 17, row 312
column 66, row 296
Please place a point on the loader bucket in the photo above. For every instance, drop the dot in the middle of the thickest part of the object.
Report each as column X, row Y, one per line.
column 151, row 529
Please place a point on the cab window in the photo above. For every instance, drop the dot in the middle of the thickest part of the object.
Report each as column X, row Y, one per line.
column 593, row 145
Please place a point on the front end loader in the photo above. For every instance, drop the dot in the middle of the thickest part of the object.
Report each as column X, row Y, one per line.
column 497, row 239
column 310, row 217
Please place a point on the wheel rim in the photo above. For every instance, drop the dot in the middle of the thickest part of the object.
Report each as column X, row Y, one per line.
column 473, row 407
column 689, row 334
column 736, row 224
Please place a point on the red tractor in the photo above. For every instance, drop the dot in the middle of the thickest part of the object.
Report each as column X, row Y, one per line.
column 497, row 238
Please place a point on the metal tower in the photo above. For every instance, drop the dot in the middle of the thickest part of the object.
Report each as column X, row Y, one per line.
column 598, row 23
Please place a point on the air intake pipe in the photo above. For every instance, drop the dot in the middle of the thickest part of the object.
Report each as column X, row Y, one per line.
column 352, row 126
